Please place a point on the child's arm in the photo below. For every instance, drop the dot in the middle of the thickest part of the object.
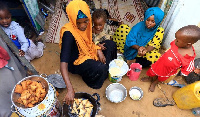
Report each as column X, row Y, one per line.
column 22, row 39
column 21, row 52
column 197, row 71
column 185, row 70
column 102, row 46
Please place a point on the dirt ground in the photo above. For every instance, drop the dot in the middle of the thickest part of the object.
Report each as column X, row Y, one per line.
column 49, row 64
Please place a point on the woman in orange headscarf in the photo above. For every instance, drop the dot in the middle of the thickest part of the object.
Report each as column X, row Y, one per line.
column 79, row 55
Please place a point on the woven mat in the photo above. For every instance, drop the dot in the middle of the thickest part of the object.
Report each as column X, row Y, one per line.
column 57, row 21
column 129, row 11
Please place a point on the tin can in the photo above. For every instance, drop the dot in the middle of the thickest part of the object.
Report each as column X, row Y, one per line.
column 114, row 79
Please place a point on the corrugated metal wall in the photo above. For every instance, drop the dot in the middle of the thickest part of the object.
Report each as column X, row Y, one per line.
column 185, row 13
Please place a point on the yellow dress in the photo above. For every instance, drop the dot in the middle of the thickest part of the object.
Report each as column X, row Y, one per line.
column 156, row 43
column 119, row 36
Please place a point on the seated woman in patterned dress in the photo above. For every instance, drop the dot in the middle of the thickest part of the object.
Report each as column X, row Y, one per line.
column 144, row 40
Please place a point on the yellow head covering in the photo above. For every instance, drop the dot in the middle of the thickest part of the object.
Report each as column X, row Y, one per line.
column 87, row 49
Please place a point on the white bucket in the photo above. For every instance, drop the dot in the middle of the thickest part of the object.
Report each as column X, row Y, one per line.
column 122, row 70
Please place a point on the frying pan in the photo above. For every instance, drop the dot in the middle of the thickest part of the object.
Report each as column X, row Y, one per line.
column 94, row 102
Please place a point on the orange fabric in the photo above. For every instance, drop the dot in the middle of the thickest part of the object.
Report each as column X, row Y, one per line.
column 87, row 49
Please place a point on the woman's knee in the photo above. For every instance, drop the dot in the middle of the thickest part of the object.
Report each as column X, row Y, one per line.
column 103, row 68
column 103, row 74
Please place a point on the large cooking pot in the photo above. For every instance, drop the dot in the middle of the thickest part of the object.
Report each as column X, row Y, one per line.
column 95, row 103
column 15, row 96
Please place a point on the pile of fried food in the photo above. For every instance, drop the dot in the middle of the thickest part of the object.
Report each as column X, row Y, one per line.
column 31, row 92
column 82, row 107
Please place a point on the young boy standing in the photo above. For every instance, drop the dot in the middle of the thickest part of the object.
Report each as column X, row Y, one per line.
column 180, row 57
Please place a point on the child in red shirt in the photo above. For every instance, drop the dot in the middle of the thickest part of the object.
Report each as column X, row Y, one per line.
column 180, row 57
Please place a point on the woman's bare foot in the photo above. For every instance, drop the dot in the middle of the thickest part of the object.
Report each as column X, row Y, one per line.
column 146, row 79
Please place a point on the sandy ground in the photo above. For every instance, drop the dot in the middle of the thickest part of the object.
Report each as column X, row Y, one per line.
column 49, row 64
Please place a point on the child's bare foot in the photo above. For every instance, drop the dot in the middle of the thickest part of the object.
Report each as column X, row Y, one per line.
column 153, row 85
column 146, row 79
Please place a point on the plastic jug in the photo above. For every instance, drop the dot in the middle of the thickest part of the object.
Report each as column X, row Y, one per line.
column 188, row 97
column 134, row 71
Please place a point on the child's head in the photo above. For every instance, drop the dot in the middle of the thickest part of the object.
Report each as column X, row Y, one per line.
column 107, row 13
column 99, row 18
column 187, row 35
column 5, row 16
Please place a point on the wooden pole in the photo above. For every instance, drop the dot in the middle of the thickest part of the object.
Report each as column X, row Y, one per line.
column 30, row 69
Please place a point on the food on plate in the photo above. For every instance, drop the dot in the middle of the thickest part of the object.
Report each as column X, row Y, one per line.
column 119, row 62
column 31, row 92
column 135, row 94
column 82, row 107
column 24, row 85
column 18, row 89
column 114, row 71
column 88, row 104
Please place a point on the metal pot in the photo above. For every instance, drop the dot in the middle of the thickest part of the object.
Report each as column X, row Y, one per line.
column 50, row 103
column 95, row 103
column 15, row 96
column 116, row 92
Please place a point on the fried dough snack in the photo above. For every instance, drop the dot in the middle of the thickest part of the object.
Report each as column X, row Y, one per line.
column 18, row 89
column 82, row 107
column 31, row 92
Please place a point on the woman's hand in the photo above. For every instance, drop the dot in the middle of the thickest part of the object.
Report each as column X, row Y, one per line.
column 69, row 97
column 101, row 56
column 142, row 51
column 21, row 52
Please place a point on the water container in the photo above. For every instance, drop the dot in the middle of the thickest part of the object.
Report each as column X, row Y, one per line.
column 188, row 97
column 134, row 71
column 196, row 111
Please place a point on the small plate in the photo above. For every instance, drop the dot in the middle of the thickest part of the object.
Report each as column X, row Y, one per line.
column 136, row 93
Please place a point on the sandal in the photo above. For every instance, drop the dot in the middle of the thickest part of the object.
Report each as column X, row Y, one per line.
column 160, row 102
column 175, row 83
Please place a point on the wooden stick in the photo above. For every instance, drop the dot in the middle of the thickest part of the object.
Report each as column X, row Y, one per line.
column 30, row 69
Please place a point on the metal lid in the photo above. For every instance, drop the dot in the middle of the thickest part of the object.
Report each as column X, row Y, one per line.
column 56, row 80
